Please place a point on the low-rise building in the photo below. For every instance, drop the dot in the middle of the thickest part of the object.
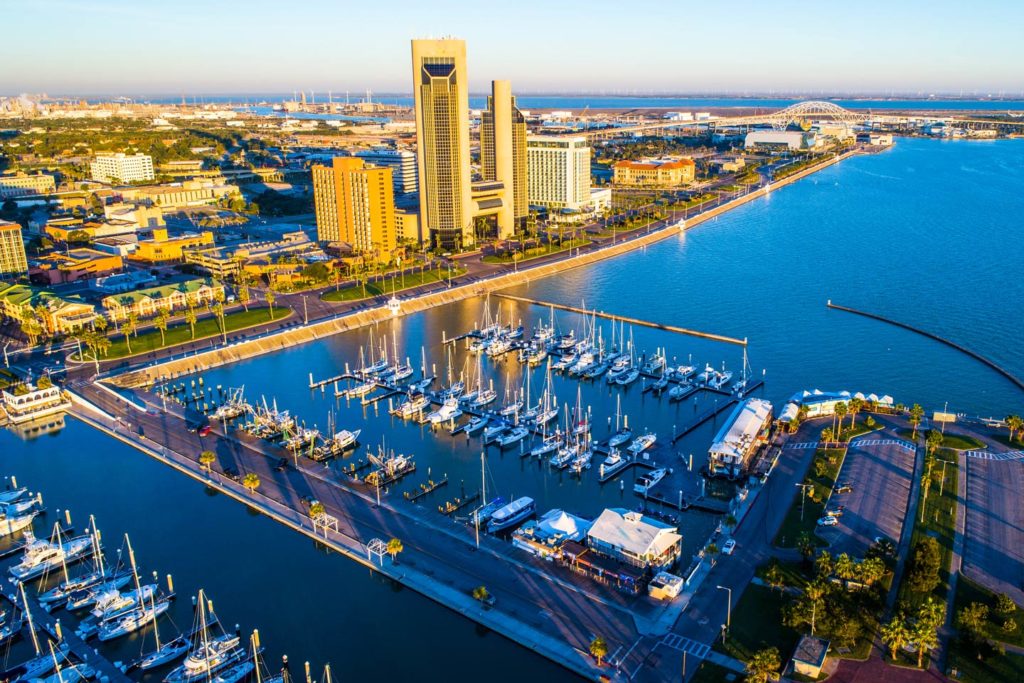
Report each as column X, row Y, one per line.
column 773, row 140
column 810, row 655
column 173, row 196
column 62, row 230
column 123, row 282
column 23, row 185
column 407, row 225
column 33, row 403
column 61, row 267
column 600, row 199
column 164, row 248
column 143, row 217
column 633, row 539
column 740, row 437
column 728, row 164
column 227, row 261
column 56, row 315
column 819, row 403
column 545, row 537
column 654, row 172
column 877, row 139
column 122, row 168
column 148, row 302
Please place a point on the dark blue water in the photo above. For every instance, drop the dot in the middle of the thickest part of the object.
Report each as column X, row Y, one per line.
column 927, row 232
column 623, row 102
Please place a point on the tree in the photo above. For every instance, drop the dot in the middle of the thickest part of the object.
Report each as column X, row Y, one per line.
column 896, row 635
column 1005, row 605
column 32, row 328
column 251, row 481
column 480, row 593
column 827, row 435
column 599, row 649
column 916, row 413
column 924, row 566
column 933, row 441
column 711, row 550
column 841, row 411
column 1014, row 423
column 317, row 509
column 971, row 620
column 271, row 298
column 845, row 567
column 814, row 592
column 394, row 547
column 870, row 570
column 160, row 322
column 925, row 637
column 130, row 327
column 774, row 577
column 763, row 665
column 806, row 547
column 190, row 318
column 856, row 405
column 316, row 272
column 78, row 237
column 218, row 311
column 244, row 295
column 44, row 382
column 206, row 459
column 823, row 566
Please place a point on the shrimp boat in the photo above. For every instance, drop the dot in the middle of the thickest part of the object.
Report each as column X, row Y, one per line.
column 233, row 408
column 299, row 439
column 42, row 556
column 642, row 443
column 645, row 482
column 344, row 440
column 209, row 655
column 389, row 468
column 514, row 513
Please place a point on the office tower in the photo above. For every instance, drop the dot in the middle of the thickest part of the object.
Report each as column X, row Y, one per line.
column 441, row 97
column 503, row 154
column 12, row 251
column 402, row 163
column 355, row 203
column 559, row 171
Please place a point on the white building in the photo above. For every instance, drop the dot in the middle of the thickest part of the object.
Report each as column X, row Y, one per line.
column 23, row 185
column 402, row 163
column 122, row 168
column 740, row 437
column 558, row 171
column 792, row 140
column 600, row 198
column 634, row 539
column 33, row 404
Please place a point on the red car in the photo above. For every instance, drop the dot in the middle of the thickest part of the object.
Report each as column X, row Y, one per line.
column 205, row 430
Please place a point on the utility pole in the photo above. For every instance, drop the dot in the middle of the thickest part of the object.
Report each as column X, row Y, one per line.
column 728, row 613
column 803, row 497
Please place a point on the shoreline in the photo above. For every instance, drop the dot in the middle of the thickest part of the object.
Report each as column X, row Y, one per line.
column 278, row 340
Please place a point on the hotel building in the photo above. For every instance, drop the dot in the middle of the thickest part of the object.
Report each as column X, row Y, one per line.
column 12, row 251
column 503, row 154
column 355, row 203
column 122, row 168
column 558, row 172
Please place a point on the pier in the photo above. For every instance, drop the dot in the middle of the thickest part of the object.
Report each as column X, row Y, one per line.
column 425, row 489
column 626, row 319
column 704, row 417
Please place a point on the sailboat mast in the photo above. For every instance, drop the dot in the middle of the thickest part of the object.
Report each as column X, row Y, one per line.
column 28, row 615
column 483, row 478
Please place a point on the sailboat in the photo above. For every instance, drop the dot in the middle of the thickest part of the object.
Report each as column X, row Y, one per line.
column 164, row 652
column 134, row 618
column 69, row 587
column 42, row 556
column 624, row 433
column 209, row 655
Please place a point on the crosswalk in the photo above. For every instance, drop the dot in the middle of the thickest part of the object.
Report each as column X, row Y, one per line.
column 690, row 647
column 801, row 445
column 988, row 455
column 906, row 445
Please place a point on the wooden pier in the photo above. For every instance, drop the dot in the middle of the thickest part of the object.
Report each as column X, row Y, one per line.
column 452, row 506
column 627, row 320
column 704, row 417
column 425, row 489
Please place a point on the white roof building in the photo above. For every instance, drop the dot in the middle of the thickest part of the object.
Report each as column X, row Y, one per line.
column 634, row 539
column 740, row 437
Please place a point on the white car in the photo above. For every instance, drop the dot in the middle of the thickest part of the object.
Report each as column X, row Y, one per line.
column 729, row 546
column 828, row 520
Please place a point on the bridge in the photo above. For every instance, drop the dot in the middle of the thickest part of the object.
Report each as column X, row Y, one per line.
column 813, row 110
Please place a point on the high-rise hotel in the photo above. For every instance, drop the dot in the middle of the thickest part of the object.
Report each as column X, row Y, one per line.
column 441, row 95
column 355, row 203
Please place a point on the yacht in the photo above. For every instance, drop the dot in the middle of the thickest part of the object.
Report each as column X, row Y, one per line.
column 628, row 377
column 546, row 416
column 484, row 513
column 449, row 410
column 683, row 372
column 562, row 457
column 455, row 390
column 564, row 362
column 596, row 370
column 677, row 392
column 113, row 602
column 12, row 524
column 720, row 379
column 476, row 424
column 209, row 657
column 12, row 495
column 645, row 482
column 515, row 435
column 618, row 368
column 642, row 443
column 512, row 408
column 660, row 384
column 360, row 390
column 86, row 597
column 613, row 462
column 42, row 556
column 18, row 508
column 549, row 445
column 498, row 347
column 400, row 372
column 582, row 460
column 512, row 514
column 494, row 431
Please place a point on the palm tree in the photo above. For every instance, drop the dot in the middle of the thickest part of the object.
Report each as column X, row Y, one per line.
column 480, row 593
column 896, row 635
column 763, row 665
column 130, row 327
column 244, row 295
column 845, row 567
column 840, row 414
column 1015, row 423
column 711, row 551
column 317, row 509
column 926, row 637
column 160, row 323
column 190, row 318
column 218, row 310
column 933, row 441
column 271, row 298
column 251, row 481
column 394, row 547
column 856, row 405
column 599, row 649
column 814, row 592
column 206, row 459
column 774, row 578
column 916, row 413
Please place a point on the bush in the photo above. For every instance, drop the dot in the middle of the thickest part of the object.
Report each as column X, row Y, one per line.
column 925, row 565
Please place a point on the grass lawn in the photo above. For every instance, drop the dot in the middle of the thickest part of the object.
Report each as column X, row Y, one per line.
column 939, row 523
column 757, row 624
column 967, row 592
column 958, row 442
column 181, row 333
column 354, row 292
column 1004, row 438
column 814, row 506
column 997, row 669
column 712, row 673
column 792, row 573
column 538, row 252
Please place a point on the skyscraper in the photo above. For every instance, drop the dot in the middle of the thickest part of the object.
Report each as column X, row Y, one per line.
column 559, row 171
column 441, row 96
column 12, row 251
column 355, row 203
column 503, row 153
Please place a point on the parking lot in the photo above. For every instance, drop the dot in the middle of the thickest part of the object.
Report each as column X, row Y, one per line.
column 994, row 532
column 879, row 471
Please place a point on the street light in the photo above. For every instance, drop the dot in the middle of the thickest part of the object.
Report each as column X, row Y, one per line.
column 803, row 497
column 728, row 613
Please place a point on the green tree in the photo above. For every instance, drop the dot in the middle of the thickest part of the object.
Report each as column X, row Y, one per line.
column 971, row 620
column 271, row 298
column 218, row 311
column 190, row 318
column 841, row 411
column 814, row 592
column 160, row 323
column 251, row 481
column 130, row 327
column 845, row 567
column 896, row 634
column 916, row 413
column 480, row 593
column 1005, row 605
column 44, row 382
column 394, row 547
column 78, row 237
column 856, row 405
column 1014, row 423
column 317, row 509
column 870, row 570
column 933, row 441
column 206, row 459
column 763, row 665
column 924, row 566
column 806, row 547
column 926, row 638
column 599, row 649
column 774, row 577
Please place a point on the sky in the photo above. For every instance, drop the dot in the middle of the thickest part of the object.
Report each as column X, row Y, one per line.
column 135, row 47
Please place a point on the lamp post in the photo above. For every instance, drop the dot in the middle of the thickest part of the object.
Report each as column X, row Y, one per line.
column 803, row 497
column 728, row 613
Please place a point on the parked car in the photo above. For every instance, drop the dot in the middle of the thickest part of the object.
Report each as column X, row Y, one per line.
column 828, row 520
column 232, row 474
column 729, row 546
column 834, row 512
column 205, row 430
column 845, row 487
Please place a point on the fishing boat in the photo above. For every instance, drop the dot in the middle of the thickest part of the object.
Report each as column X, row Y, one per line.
column 514, row 513
column 42, row 556
column 642, row 443
column 300, row 439
column 513, row 436
column 645, row 482
column 345, row 439
column 449, row 410
column 390, row 467
column 13, row 524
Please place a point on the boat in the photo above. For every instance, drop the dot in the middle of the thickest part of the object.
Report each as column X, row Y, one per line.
column 677, row 392
column 18, row 507
column 400, row 372
column 581, row 461
column 596, row 370
column 512, row 408
column 618, row 368
column 209, row 655
column 512, row 514
column 234, row 673
column 682, row 372
column 390, row 467
column 13, row 524
column 484, row 513
column 484, row 397
column 39, row 666
column 412, row 406
column 12, row 495
column 300, row 439
column 476, row 424
column 563, row 457
column 642, row 443
column 549, row 445
column 42, row 556
column 566, row 341
column 515, row 435
column 645, row 482
column 86, row 597
column 133, row 620
column 564, row 362
column 455, row 390
column 628, row 377
column 345, row 439
column 165, row 653
column 498, row 347
column 536, row 356
column 114, row 603
column 620, row 437
column 660, row 384
column 613, row 462
column 360, row 390
column 655, row 363
column 80, row 585
column 495, row 430
column 449, row 410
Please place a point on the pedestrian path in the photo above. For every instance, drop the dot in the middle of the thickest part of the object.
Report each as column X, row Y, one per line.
column 701, row 651
column 801, row 445
column 988, row 455
column 886, row 442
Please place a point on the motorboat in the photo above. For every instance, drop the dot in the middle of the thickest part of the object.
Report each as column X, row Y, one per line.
column 493, row 431
column 536, row 356
column 484, row 513
column 563, row 457
column 207, row 659
column 13, row 524
column 476, row 424
column 513, row 436
column 613, row 462
column 660, row 384
column 618, row 368
column 642, row 443
column 449, row 410
column 41, row 556
column 132, row 621
column 683, row 372
column 654, row 364
column 86, row 597
column 514, row 513
column 498, row 347
column 645, row 482
column 677, row 392
column 564, row 362
column 628, row 377
column 345, row 439
column 360, row 390
column 113, row 602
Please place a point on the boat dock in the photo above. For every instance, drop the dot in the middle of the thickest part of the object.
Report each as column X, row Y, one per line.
column 425, row 489
column 450, row 507
column 622, row 469
column 704, row 417
column 627, row 320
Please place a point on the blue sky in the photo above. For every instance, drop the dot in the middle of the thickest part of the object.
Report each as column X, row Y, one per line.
column 627, row 46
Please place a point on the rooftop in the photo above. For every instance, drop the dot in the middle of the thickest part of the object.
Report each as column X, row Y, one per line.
column 633, row 532
column 811, row 650
column 745, row 422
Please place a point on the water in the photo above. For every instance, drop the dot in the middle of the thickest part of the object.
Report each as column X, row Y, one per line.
column 924, row 233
